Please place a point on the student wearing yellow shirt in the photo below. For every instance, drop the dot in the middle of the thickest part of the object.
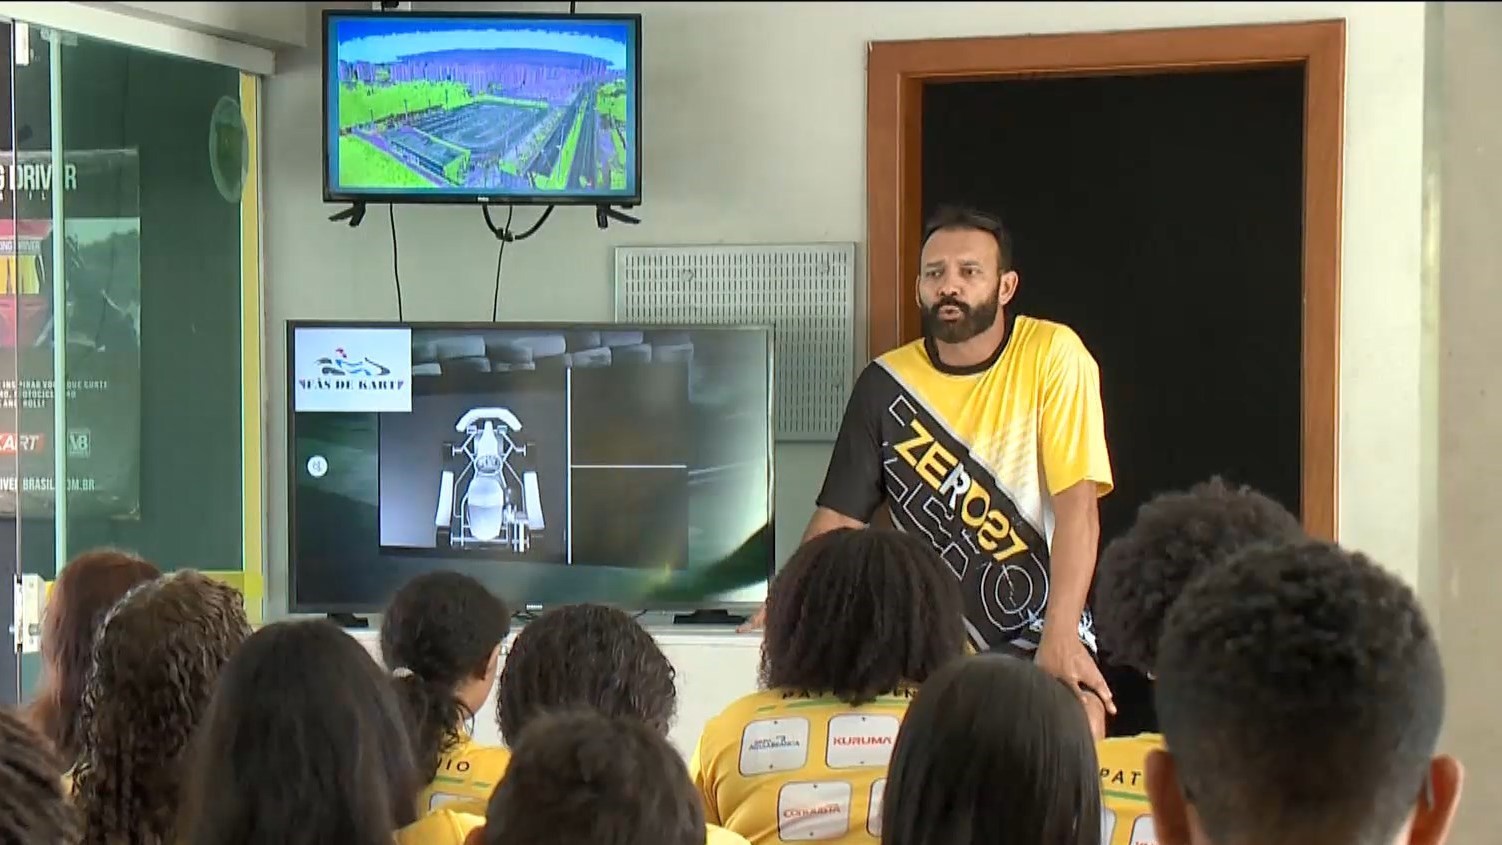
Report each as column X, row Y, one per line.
column 1302, row 696
column 304, row 742
column 34, row 809
column 583, row 778
column 1176, row 537
column 587, row 657
column 854, row 622
column 441, row 638
column 157, row 661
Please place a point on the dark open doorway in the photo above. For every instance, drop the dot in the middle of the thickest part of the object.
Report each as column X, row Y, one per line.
column 1207, row 336
column 1159, row 216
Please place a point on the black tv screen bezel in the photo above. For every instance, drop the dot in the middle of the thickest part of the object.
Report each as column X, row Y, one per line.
column 295, row 607
column 418, row 198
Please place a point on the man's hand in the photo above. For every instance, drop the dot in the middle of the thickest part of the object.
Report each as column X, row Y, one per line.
column 1066, row 658
column 755, row 623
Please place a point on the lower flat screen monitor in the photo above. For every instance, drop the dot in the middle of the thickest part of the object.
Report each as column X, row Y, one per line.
column 556, row 463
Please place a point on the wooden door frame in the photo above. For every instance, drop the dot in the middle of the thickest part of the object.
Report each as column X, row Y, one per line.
column 896, row 72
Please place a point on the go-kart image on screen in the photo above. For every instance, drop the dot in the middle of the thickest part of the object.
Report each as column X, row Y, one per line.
column 488, row 497
column 554, row 462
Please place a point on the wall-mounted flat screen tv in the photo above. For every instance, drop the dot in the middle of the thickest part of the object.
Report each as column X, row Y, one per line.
column 555, row 462
column 483, row 107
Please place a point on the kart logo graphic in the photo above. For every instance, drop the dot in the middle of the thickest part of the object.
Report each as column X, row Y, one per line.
column 343, row 365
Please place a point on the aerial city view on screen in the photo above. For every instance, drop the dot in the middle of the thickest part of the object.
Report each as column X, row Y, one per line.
column 510, row 106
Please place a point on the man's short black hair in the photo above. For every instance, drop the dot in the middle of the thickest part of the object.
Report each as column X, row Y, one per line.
column 1300, row 691
column 959, row 218
column 859, row 612
column 1176, row 536
column 583, row 777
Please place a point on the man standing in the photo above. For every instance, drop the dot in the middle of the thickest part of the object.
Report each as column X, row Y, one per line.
column 986, row 438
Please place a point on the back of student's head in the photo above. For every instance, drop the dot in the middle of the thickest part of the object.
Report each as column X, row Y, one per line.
column 1176, row 536
column 441, row 635
column 303, row 744
column 582, row 777
column 84, row 591
column 585, row 656
column 156, row 661
column 993, row 751
column 1300, row 695
column 34, row 809
column 857, row 613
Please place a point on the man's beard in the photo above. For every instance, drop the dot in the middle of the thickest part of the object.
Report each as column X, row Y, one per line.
column 972, row 322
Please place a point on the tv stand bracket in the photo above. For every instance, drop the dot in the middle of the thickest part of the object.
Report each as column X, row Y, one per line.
column 355, row 214
column 604, row 214
column 708, row 616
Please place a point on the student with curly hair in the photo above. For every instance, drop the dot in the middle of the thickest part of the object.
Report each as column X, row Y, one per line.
column 961, row 776
column 1301, row 697
column 84, row 591
column 156, row 660
column 34, row 807
column 592, row 658
column 585, row 656
column 584, row 777
column 442, row 638
column 305, row 743
column 1176, row 537
column 855, row 621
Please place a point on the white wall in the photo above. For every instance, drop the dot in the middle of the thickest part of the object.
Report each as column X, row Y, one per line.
column 274, row 25
column 1467, row 123
column 754, row 132
column 713, row 669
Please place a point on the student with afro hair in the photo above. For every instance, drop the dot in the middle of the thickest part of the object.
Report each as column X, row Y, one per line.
column 855, row 622
column 1301, row 695
column 587, row 658
column 1176, row 537
column 584, row 778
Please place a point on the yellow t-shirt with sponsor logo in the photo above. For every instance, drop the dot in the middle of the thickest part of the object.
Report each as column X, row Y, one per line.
column 466, row 777
column 440, row 827
column 782, row 767
column 969, row 459
column 1126, row 816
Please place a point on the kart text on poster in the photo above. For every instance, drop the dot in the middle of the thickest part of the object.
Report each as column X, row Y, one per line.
column 101, row 278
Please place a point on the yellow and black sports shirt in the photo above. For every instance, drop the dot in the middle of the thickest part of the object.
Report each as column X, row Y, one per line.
column 969, row 458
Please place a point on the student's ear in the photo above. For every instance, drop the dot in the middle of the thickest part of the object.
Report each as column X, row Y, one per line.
column 1437, row 803
column 493, row 665
column 1170, row 809
column 476, row 836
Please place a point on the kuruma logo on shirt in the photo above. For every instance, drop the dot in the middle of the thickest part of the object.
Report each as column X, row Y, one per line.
column 860, row 740
column 865, row 741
